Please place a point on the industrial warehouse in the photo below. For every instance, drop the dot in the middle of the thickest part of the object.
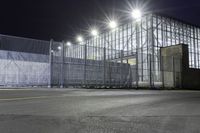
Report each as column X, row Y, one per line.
column 151, row 51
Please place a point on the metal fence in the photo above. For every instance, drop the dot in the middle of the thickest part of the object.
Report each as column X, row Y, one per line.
column 78, row 66
column 82, row 65
column 23, row 69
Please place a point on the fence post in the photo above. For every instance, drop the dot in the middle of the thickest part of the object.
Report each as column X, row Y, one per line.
column 62, row 65
column 104, row 66
column 137, row 70
column 150, row 71
column 50, row 63
column 137, row 51
column 85, row 63
column 121, row 65
column 110, row 74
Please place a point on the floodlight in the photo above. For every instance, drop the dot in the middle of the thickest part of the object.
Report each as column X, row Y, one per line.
column 136, row 14
column 94, row 32
column 69, row 43
column 59, row 47
column 113, row 24
column 80, row 38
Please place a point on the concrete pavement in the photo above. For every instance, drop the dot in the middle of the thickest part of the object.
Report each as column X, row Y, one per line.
column 99, row 111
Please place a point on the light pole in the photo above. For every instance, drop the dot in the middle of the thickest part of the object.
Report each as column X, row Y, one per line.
column 137, row 14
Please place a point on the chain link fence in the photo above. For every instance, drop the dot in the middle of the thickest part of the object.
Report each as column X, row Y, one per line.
column 24, row 62
column 53, row 63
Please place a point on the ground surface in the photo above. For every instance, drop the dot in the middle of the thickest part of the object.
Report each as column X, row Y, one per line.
column 99, row 111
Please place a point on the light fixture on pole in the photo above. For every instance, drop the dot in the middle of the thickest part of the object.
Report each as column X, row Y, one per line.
column 112, row 24
column 79, row 39
column 59, row 47
column 69, row 43
column 94, row 32
column 136, row 14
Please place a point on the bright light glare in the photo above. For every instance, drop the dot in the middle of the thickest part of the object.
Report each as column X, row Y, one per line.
column 94, row 32
column 113, row 24
column 80, row 39
column 69, row 43
column 59, row 48
column 136, row 14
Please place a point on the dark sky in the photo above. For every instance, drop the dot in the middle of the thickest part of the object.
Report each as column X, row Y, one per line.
column 63, row 19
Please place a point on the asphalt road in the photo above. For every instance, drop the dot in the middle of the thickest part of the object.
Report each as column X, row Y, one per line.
column 99, row 111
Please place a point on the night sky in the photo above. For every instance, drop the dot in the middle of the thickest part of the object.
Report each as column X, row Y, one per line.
column 64, row 19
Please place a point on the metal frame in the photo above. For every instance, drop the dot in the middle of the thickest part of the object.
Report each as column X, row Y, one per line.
column 102, row 60
column 142, row 41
